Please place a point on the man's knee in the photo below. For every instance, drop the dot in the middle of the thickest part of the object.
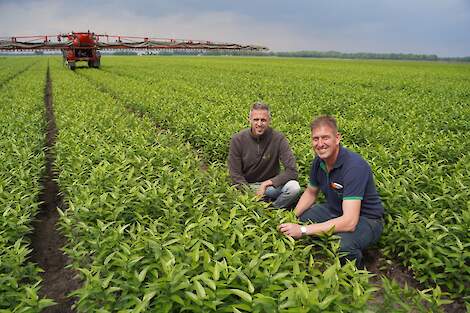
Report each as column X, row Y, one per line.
column 292, row 188
column 288, row 195
column 351, row 251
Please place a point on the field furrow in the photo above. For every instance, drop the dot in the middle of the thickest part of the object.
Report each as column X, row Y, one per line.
column 150, row 229
column 21, row 140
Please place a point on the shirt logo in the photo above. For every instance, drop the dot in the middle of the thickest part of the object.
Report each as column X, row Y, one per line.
column 336, row 186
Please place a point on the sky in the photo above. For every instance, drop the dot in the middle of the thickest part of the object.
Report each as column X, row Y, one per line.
column 440, row 27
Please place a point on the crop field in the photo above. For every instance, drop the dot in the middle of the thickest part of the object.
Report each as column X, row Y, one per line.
column 152, row 223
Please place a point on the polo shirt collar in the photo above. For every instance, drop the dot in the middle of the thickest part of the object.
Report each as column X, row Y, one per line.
column 339, row 160
column 341, row 157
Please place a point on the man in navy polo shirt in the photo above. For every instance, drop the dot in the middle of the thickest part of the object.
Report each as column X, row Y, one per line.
column 353, row 207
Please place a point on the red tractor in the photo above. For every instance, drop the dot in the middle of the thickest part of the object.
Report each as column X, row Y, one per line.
column 82, row 48
column 85, row 46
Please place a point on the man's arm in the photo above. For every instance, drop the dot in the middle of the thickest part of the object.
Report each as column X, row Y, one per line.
column 344, row 223
column 288, row 160
column 235, row 163
column 306, row 200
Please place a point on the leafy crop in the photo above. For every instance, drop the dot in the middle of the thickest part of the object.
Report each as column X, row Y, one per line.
column 21, row 141
column 13, row 67
column 409, row 120
column 149, row 231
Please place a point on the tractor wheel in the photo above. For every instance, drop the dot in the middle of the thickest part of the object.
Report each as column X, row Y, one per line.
column 72, row 66
column 97, row 64
column 91, row 64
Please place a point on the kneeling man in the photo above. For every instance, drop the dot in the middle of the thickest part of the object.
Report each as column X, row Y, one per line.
column 353, row 206
column 254, row 160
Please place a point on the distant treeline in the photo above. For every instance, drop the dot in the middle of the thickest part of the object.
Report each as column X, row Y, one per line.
column 310, row 54
column 292, row 54
column 368, row 55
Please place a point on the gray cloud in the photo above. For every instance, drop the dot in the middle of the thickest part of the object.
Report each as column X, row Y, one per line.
column 411, row 26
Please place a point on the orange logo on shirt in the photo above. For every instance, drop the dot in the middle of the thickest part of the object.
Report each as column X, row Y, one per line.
column 336, row 186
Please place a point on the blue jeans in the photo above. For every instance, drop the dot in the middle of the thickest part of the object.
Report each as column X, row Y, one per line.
column 367, row 231
column 284, row 196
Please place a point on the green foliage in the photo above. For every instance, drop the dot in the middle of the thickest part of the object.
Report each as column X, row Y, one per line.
column 406, row 299
column 21, row 141
column 409, row 120
column 149, row 231
column 13, row 67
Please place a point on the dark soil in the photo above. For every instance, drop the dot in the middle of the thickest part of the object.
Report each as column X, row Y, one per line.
column 47, row 241
column 375, row 263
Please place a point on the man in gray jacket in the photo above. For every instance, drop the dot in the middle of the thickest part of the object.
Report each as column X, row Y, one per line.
column 254, row 160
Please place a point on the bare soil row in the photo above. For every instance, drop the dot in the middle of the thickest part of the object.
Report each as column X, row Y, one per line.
column 46, row 240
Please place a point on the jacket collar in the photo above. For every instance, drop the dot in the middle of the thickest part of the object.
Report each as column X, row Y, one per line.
column 264, row 136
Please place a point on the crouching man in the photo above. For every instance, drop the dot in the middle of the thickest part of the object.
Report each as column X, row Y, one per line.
column 353, row 206
column 254, row 160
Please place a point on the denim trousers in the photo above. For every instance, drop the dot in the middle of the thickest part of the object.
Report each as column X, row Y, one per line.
column 284, row 196
column 367, row 231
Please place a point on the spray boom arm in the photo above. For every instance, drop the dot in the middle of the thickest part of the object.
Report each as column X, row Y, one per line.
column 113, row 42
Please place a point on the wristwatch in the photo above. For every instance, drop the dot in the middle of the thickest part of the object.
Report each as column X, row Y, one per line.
column 303, row 230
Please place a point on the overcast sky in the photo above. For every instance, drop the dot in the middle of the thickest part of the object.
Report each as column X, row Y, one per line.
column 439, row 27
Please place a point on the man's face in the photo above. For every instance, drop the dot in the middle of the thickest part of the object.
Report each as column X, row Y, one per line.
column 259, row 120
column 325, row 142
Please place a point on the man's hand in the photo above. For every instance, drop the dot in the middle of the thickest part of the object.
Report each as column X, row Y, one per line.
column 262, row 188
column 290, row 229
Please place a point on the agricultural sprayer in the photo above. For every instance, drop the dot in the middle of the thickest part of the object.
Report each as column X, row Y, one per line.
column 86, row 46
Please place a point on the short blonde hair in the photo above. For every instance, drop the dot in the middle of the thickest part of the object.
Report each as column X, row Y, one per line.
column 324, row 120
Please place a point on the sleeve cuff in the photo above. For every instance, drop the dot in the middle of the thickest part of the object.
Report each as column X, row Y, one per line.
column 352, row 198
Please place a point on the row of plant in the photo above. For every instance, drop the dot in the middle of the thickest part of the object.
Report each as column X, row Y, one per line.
column 420, row 300
column 149, row 231
column 294, row 298
column 12, row 67
column 22, row 164
column 409, row 120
